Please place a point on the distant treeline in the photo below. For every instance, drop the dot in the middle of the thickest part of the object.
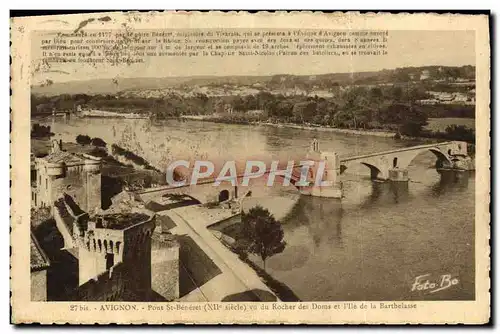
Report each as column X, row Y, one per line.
column 388, row 107
column 449, row 110
column 171, row 106
column 453, row 132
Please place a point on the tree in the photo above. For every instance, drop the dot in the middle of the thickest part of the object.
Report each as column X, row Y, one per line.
column 304, row 111
column 83, row 139
column 460, row 132
column 263, row 233
column 98, row 142
column 412, row 120
column 40, row 131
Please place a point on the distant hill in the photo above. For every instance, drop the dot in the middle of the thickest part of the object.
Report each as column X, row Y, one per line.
column 113, row 86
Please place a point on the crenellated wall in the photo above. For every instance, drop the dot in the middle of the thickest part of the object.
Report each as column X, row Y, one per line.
column 102, row 248
column 99, row 250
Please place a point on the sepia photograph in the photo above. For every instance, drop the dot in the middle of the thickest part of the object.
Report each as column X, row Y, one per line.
column 182, row 165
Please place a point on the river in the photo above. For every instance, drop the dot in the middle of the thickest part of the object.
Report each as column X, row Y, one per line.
column 371, row 245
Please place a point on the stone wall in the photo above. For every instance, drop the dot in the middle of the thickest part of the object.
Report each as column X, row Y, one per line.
column 165, row 265
column 93, row 185
column 108, row 286
column 72, row 183
column 137, row 254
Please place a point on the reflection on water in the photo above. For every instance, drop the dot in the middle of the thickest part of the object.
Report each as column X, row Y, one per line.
column 451, row 181
column 321, row 216
column 370, row 245
column 373, row 249
column 387, row 193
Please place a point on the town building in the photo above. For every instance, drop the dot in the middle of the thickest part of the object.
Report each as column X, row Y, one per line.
column 426, row 74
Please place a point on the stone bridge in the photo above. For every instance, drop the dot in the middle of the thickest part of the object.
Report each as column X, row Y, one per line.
column 393, row 165
column 388, row 166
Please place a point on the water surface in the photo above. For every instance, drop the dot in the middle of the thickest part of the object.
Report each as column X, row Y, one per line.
column 369, row 246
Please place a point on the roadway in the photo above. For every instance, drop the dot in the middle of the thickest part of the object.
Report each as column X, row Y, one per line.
column 236, row 277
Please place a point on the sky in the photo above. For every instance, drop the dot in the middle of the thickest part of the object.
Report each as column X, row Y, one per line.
column 405, row 48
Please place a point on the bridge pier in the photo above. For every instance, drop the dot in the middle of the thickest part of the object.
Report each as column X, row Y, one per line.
column 330, row 186
column 333, row 191
column 398, row 175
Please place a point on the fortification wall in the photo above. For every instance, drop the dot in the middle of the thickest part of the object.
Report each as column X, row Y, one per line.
column 165, row 265
column 109, row 286
column 73, row 183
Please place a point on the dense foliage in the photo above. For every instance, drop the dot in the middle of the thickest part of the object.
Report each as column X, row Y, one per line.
column 98, row 142
column 83, row 140
column 40, row 131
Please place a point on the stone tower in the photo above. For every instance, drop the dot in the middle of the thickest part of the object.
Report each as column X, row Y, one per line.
column 61, row 172
column 118, row 238
column 326, row 183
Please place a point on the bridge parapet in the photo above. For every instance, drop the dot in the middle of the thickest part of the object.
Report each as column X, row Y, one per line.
column 393, row 165
column 323, row 176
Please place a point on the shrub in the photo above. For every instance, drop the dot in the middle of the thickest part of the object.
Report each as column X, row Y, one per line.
column 83, row 139
column 98, row 142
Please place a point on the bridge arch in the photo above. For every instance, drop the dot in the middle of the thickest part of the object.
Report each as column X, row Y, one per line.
column 374, row 170
column 223, row 195
column 442, row 157
column 380, row 165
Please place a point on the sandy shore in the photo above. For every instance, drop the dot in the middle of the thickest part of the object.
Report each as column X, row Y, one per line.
column 329, row 129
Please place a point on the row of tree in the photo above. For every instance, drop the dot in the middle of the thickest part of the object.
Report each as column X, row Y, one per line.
column 391, row 107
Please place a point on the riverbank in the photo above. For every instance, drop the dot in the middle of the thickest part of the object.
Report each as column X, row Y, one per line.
column 457, row 133
column 377, row 133
column 111, row 114
column 373, row 132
